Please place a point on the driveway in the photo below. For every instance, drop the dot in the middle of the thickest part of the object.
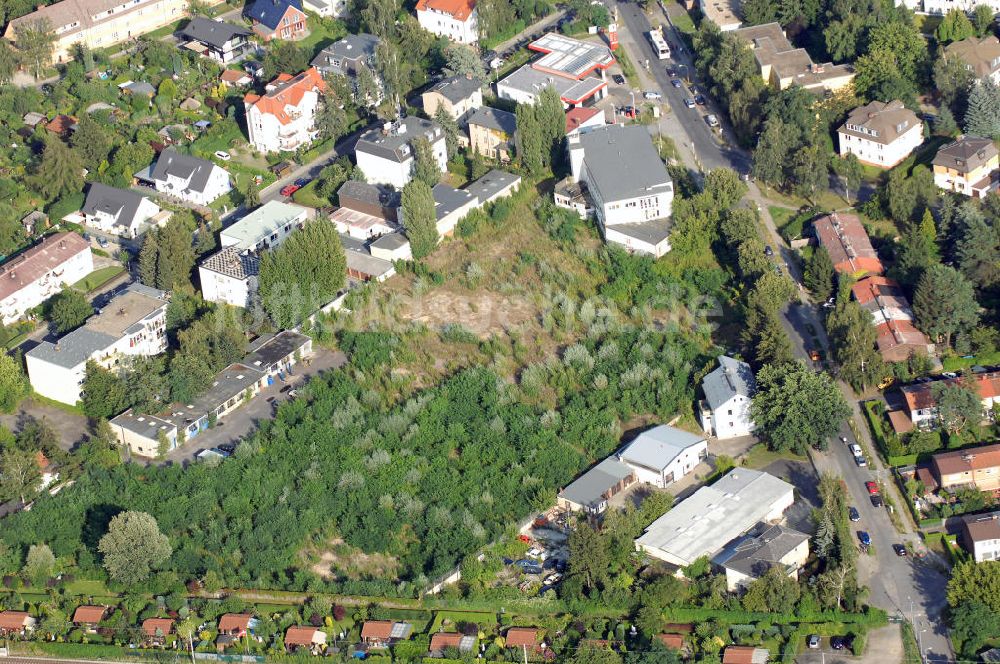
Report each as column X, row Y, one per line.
column 245, row 420
column 884, row 645
column 70, row 428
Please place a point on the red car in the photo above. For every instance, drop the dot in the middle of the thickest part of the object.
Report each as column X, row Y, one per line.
column 289, row 189
column 872, row 488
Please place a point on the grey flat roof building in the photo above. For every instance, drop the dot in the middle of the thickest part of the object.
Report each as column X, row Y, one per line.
column 360, row 259
column 390, row 241
column 653, row 232
column 447, row 199
column 754, row 556
column 492, row 184
column 266, row 351
column 623, row 162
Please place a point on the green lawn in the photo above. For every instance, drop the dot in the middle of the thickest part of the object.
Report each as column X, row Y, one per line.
column 87, row 587
column 322, row 32
column 684, row 23
column 955, row 363
column 760, row 457
column 780, row 215
column 308, row 197
column 98, row 278
column 220, row 136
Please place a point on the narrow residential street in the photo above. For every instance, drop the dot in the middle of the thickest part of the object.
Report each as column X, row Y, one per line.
column 908, row 586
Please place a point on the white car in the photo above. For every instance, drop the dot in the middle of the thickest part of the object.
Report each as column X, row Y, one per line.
column 712, row 121
column 689, row 102
column 652, row 94
column 224, row 156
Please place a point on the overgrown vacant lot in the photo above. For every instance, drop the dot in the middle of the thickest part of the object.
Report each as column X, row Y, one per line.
column 438, row 434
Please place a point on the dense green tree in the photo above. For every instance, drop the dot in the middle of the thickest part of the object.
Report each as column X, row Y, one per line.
column 495, row 17
column 850, row 172
column 595, row 655
column 35, row 44
column 285, row 57
column 955, row 26
column 19, row 474
column 588, row 555
column 425, row 165
column 133, row 547
column 59, row 172
column 772, row 153
column 379, row 17
column 167, row 256
column 982, row 116
column 92, row 142
column 843, row 37
column 972, row 624
column 914, row 254
column 331, row 178
column 771, row 292
column 958, row 405
column 978, row 250
column 819, row 275
column 148, row 256
column 251, row 195
column 463, row 60
column 952, row 78
column 8, row 61
column 795, row 408
column 389, row 63
column 770, row 342
column 104, row 394
column 419, row 218
column 304, row 273
column 13, row 383
column 944, row 123
column 878, row 75
column 450, row 127
column 759, row 12
column 331, row 120
column 975, row 583
column 982, row 19
column 68, row 309
column 655, row 653
column 773, row 592
column 944, row 303
column 40, row 564
column 853, row 334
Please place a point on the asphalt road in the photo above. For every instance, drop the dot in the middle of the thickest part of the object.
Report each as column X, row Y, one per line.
column 909, row 586
column 708, row 152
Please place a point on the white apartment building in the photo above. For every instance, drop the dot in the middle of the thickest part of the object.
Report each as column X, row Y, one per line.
column 185, row 177
column 729, row 389
column 132, row 324
column 284, row 118
column 662, row 455
column 455, row 19
column 631, row 190
column 229, row 276
column 386, row 155
column 40, row 272
column 264, row 228
column 881, row 133
column 941, row 7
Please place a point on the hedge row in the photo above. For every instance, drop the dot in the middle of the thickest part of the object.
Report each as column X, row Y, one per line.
column 872, row 617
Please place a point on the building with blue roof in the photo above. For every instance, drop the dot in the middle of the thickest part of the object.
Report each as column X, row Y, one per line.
column 277, row 19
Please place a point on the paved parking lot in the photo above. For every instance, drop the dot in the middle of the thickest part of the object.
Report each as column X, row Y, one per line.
column 244, row 420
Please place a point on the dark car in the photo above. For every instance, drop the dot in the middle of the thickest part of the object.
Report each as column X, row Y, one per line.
column 618, row 78
column 768, row 251
column 301, row 182
column 671, row 72
column 839, row 642
column 900, row 550
column 286, row 388
column 676, row 83
column 532, row 569
column 864, row 538
column 700, row 100
column 853, row 514
column 876, row 501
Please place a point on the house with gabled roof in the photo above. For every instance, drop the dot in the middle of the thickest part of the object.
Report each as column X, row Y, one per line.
column 592, row 490
column 745, row 655
column 89, row 615
column 980, row 55
column 846, row 241
column 881, row 133
column 348, row 56
column 156, row 630
column 383, row 633
column 188, row 178
column 662, row 455
column 725, row 412
column 459, row 96
column 491, row 132
column 969, row 166
column 284, row 117
column 442, row 640
column 777, row 546
column 980, row 535
column 898, row 338
column 277, row 19
column 121, row 212
column 386, row 154
column 528, row 639
column 305, row 638
column 16, row 623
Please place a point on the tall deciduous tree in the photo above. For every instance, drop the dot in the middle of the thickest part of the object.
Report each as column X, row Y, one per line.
column 952, row 78
column 795, row 408
column 40, row 563
column 958, row 405
column 419, row 218
column 19, row 474
column 303, row 274
column 955, row 26
column 975, row 582
column 944, row 303
column 92, row 142
column 915, row 253
column 973, row 623
column 819, row 274
column 104, row 393
column 852, row 331
column 59, row 172
column 589, row 558
column 982, row 19
column 450, row 127
column 68, row 309
column 36, row 43
column 13, row 384
column 462, row 60
column 425, row 165
column 133, row 547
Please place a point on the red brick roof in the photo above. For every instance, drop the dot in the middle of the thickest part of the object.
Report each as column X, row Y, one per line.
column 289, row 92
column 234, row 76
column 959, row 461
column 89, row 615
column 675, row 641
column 61, row 124
column 151, row 625
column 34, row 263
column 521, row 636
column 234, row 622
column 13, row 620
column 846, row 240
column 870, row 288
column 300, row 636
column 442, row 640
column 458, row 9
column 578, row 115
column 919, row 396
column 738, row 655
column 376, row 629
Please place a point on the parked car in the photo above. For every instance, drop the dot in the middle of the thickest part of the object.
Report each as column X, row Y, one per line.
column 814, row 355
column 853, row 514
column 676, row 83
column 768, row 251
column 864, row 538
column 700, row 100
column 671, row 72
column 618, row 78
column 224, row 156
column 900, row 550
column 629, row 111
column 652, row 94
column 289, row 189
column 839, row 642
column 689, row 102
column 814, row 640
column 872, row 488
column 301, row 182
column 876, row 501
column 286, row 388
column 712, row 121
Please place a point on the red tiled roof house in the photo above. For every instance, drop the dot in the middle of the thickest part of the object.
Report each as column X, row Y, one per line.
column 156, row 629
column 14, row 623
column 845, row 239
column 308, row 638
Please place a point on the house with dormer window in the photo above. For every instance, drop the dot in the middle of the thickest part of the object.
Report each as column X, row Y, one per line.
column 283, row 119
column 881, row 133
column 277, row 19
column 188, row 178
